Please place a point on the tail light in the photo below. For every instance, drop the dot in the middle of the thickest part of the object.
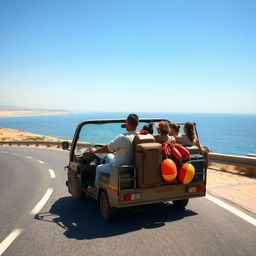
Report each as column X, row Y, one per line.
column 194, row 189
column 132, row 196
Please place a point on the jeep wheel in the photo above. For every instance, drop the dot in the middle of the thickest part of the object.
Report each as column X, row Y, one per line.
column 180, row 204
column 107, row 213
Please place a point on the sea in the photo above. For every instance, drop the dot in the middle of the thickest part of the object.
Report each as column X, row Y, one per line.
column 233, row 134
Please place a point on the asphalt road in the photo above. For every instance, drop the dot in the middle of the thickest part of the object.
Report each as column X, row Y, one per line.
column 66, row 226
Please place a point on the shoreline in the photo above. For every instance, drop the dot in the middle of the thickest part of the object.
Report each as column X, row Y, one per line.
column 23, row 113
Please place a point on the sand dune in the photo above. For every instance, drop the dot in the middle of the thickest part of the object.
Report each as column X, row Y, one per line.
column 7, row 134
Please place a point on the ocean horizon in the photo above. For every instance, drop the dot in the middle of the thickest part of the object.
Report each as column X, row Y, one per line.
column 224, row 133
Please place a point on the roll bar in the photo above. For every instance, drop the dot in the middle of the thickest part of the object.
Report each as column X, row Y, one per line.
column 108, row 121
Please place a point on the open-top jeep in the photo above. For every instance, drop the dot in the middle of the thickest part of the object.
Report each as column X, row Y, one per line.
column 129, row 185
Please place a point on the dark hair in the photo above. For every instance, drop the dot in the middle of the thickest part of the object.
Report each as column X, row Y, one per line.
column 148, row 128
column 133, row 120
column 175, row 127
column 190, row 130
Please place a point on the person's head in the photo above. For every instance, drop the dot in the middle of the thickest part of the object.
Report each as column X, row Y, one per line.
column 132, row 122
column 163, row 128
column 189, row 130
column 174, row 128
column 148, row 128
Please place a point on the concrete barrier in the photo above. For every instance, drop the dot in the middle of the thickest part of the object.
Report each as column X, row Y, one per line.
column 40, row 143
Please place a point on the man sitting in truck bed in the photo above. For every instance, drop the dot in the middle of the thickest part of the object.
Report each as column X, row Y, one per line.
column 122, row 146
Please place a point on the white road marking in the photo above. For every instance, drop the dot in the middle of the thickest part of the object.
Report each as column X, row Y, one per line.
column 235, row 211
column 4, row 152
column 15, row 154
column 39, row 161
column 9, row 239
column 52, row 174
column 29, row 156
column 42, row 202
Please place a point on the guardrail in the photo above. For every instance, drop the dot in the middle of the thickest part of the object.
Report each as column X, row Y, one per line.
column 246, row 161
column 37, row 143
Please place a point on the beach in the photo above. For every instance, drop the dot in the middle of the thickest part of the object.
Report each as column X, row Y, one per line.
column 28, row 112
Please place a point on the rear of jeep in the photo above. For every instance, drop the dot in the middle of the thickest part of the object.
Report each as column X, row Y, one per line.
column 139, row 184
column 143, row 183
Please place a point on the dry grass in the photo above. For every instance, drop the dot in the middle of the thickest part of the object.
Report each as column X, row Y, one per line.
column 246, row 171
column 7, row 134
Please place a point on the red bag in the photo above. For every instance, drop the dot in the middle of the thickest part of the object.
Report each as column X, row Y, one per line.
column 176, row 153
column 183, row 150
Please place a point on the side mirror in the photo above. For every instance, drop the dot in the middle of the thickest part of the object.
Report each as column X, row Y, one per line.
column 65, row 145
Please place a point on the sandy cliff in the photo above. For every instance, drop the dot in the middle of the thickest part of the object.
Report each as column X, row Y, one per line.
column 7, row 134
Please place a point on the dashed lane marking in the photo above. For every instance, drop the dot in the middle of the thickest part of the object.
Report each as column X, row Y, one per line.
column 235, row 211
column 42, row 202
column 52, row 174
column 39, row 161
column 29, row 156
column 9, row 239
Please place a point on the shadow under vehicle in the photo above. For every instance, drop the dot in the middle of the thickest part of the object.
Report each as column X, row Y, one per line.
column 80, row 219
column 129, row 185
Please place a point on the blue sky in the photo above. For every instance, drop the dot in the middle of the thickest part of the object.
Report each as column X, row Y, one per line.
column 129, row 55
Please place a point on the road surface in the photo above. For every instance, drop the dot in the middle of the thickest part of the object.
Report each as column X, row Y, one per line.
column 39, row 217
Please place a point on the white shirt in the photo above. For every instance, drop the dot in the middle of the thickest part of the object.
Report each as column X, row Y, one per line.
column 123, row 147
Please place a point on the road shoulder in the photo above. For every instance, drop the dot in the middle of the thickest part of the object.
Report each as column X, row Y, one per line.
column 231, row 185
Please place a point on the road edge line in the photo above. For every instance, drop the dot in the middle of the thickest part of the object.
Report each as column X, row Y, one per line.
column 232, row 209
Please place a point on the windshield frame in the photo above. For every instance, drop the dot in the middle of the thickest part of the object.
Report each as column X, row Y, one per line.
column 108, row 121
column 105, row 121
